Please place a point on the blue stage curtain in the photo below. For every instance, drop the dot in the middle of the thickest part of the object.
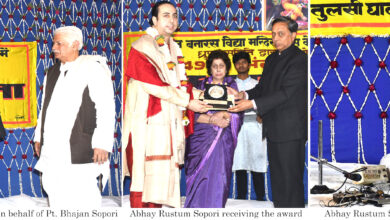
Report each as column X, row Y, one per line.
column 355, row 89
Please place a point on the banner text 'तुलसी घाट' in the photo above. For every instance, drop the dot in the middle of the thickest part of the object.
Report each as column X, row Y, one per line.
column 345, row 17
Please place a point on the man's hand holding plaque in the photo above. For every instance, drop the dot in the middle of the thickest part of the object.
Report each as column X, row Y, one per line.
column 237, row 95
column 198, row 106
column 217, row 96
column 242, row 104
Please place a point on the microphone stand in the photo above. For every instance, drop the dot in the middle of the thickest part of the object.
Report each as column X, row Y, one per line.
column 320, row 188
column 351, row 176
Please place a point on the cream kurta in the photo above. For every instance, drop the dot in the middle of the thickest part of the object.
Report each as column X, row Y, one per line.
column 158, row 141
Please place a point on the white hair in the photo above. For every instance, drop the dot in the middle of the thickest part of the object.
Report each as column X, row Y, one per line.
column 72, row 34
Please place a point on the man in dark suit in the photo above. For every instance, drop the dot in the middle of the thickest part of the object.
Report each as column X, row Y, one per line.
column 280, row 98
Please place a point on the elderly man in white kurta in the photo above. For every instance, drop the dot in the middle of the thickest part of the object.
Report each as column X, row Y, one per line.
column 76, row 124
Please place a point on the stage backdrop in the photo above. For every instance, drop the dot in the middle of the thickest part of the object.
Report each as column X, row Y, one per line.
column 33, row 22
column 350, row 82
column 205, row 26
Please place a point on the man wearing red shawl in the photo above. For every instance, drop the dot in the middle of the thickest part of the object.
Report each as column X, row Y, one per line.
column 154, row 117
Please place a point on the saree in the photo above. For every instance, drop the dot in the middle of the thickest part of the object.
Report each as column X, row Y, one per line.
column 209, row 159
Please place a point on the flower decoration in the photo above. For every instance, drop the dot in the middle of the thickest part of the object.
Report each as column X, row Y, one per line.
column 160, row 40
column 319, row 91
column 186, row 121
column 344, row 40
column 358, row 62
column 382, row 64
column 332, row 115
column 345, row 89
column 333, row 64
column 184, row 83
column 317, row 41
column 171, row 65
column 180, row 59
column 368, row 39
column 358, row 115
column 371, row 87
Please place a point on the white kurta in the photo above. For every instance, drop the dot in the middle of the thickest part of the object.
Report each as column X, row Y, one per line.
column 251, row 150
column 59, row 174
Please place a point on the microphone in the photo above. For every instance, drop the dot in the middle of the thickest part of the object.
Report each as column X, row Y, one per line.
column 353, row 176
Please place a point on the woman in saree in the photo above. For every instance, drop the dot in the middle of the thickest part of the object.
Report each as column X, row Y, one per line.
column 210, row 149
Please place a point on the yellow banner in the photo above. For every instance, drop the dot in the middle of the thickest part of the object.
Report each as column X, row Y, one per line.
column 196, row 47
column 344, row 17
column 18, row 102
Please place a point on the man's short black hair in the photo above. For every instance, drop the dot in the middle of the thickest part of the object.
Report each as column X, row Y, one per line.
column 241, row 55
column 218, row 54
column 155, row 9
column 291, row 24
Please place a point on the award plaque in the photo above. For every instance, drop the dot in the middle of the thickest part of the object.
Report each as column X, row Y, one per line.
column 217, row 96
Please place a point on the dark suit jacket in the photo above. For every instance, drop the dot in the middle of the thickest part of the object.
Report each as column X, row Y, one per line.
column 281, row 95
